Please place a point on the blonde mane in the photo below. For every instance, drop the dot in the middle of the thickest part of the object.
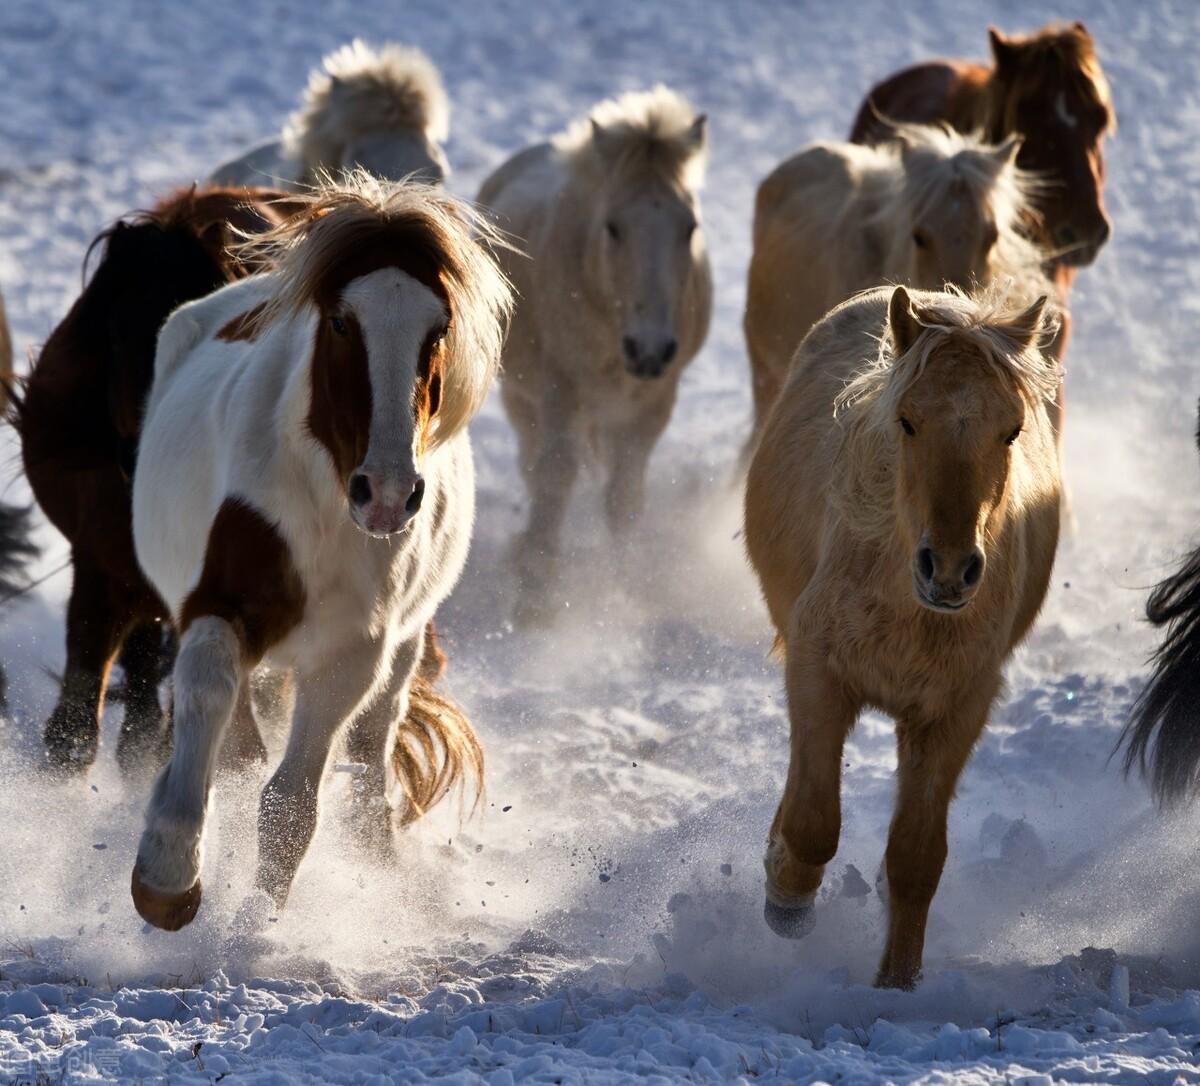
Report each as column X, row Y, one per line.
column 927, row 165
column 338, row 220
column 867, row 407
column 359, row 90
column 653, row 133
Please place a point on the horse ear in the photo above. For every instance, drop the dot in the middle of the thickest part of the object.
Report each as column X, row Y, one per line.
column 698, row 132
column 1006, row 153
column 599, row 136
column 1026, row 327
column 1003, row 51
column 902, row 321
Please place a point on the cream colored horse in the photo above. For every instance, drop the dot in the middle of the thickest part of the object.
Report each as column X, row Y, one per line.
column 382, row 110
column 902, row 516
column 615, row 297
column 930, row 208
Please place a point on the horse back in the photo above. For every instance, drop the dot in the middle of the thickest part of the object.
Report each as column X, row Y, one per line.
column 939, row 90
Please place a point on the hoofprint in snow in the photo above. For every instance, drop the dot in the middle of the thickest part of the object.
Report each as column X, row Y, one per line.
column 601, row 916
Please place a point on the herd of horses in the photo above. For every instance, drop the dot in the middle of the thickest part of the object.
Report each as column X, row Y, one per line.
column 251, row 427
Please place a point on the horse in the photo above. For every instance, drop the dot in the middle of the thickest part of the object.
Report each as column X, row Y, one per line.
column 1049, row 88
column 615, row 298
column 1162, row 737
column 929, row 208
column 304, row 501
column 901, row 513
column 78, row 414
column 384, row 110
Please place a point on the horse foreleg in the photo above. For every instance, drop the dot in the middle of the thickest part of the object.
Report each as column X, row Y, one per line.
column 142, row 658
column 932, row 755
column 94, row 627
column 208, row 673
column 551, row 478
column 243, row 746
column 804, row 835
column 326, row 699
column 625, row 490
column 370, row 743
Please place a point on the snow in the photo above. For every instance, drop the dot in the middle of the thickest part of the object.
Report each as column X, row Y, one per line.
column 600, row 917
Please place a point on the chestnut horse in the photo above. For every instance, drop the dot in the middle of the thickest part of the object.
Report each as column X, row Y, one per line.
column 1048, row 88
column 304, row 500
column 79, row 414
column 902, row 517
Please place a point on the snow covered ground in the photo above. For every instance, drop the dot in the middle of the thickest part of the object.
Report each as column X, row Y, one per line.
column 601, row 917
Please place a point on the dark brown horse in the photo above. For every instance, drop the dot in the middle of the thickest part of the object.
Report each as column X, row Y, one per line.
column 1048, row 88
column 79, row 416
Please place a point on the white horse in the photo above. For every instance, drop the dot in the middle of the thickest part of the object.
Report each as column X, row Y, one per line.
column 614, row 303
column 383, row 110
column 304, row 499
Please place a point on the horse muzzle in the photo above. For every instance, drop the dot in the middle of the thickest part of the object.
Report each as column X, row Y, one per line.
column 382, row 505
column 944, row 583
column 1079, row 246
column 646, row 359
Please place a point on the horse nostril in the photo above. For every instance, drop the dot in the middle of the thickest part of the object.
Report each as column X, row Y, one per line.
column 414, row 499
column 973, row 571
column 925, row 563
column 1102, row 233
column 670, row 350
column 360, row 489
column 1067, row 235
column 630, row 347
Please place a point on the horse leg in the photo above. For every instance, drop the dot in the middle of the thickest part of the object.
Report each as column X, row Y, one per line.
column 932, row 755
column 287, row 815
column 804, row 835
column 370, row 743
column 94, row 628
column 551, row 478
column 625, row 491
column 243, row 746
column 141, row 660
column 208, row 672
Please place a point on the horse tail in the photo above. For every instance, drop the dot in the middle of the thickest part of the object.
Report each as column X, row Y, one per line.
column 1162, row 738
column 436, row 749
column 16, row 548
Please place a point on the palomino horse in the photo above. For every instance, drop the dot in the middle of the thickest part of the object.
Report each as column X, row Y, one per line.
column 383, row 110
column 612, row 306
column 929, row 208
column 79, row 415
column 1162, row 737
column 304, row 499
column 1046, row 87
column 903, row 527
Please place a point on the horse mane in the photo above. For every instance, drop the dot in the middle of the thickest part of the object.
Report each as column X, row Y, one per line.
column 412, row 220
column 926, row 165
column 359, row 90
column 640, row 134
column 1056, row 51
column 868, row 405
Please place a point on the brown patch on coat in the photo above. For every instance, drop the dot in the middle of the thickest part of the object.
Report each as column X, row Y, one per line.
column 249, row 580
column 244, row 327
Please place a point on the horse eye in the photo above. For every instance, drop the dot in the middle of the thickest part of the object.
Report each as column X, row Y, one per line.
column 613, row 232
column 339, row 325
column 920, row 239
column 907, row 427
column 1013, row 436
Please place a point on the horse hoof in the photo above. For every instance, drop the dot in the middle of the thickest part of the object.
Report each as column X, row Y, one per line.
column 170, row 912
column 793, row 923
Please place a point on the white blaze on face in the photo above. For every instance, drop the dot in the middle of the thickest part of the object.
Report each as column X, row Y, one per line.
column 396, row 314
column 1068, row 118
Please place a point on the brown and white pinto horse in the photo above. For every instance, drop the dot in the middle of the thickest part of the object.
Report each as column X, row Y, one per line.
column 1048, row 88
column 79, row 415
column 304, row 499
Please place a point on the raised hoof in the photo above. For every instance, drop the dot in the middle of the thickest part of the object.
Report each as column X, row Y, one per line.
column 167, row 911
column 793, row 923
